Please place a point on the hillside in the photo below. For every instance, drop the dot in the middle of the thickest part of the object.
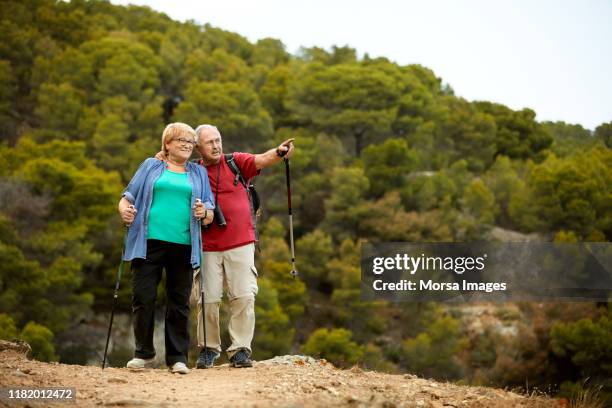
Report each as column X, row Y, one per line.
column 385, row 152
column 282, row 381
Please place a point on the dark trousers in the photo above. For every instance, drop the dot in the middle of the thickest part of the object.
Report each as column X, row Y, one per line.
column 146, row 275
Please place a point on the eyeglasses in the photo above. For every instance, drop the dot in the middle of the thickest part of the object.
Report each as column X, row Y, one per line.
column 185, row 141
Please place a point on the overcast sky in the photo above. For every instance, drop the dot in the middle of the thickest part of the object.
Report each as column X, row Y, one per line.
column 552, row 56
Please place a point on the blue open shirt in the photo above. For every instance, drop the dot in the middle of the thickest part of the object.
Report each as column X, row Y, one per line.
column 139, row 192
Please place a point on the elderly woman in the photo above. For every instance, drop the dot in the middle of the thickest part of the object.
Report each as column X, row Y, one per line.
column 163, row 204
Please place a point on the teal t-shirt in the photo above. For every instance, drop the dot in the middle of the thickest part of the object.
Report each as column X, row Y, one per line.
column 170, row 212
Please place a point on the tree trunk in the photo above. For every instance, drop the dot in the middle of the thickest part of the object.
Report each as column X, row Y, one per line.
column 358, row 142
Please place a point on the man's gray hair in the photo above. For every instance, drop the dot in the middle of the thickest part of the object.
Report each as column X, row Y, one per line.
column 201, row 128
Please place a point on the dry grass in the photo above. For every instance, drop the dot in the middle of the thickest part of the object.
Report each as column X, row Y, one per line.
column 587, row 398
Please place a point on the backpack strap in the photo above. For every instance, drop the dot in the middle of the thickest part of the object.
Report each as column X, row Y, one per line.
column 229, row 158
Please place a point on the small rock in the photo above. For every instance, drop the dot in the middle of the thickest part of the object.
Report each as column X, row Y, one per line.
column 356, row 370
column 410, row 376
column 19, row 373
column 290, row 360
column 434, row 393
column 333, row 391
column 127, row 403
column 117, row 380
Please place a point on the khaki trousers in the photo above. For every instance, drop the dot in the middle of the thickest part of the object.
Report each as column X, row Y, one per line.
column 235, row 271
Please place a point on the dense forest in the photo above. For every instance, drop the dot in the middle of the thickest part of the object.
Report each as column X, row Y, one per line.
column 384, row 153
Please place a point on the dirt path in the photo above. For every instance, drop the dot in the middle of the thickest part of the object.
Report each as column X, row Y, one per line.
column 282, row 382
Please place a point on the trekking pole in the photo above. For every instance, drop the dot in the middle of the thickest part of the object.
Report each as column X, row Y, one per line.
column 294, row 271
column 203, row 304
column 202, row 282
column 115, row 296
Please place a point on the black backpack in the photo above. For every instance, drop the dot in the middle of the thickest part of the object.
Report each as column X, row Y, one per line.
column 250, row 189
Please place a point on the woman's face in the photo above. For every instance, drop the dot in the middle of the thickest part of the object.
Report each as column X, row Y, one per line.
column 180, row 148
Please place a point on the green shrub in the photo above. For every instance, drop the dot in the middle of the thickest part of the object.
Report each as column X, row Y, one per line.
column 8, row 330
column 334, row 345
column 40, row 339
column 274, row 333
column 432, row 352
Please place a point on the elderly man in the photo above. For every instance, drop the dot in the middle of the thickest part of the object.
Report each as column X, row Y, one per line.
column 229, row 250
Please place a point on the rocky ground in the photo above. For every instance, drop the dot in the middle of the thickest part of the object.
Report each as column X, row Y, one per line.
column 287, row 381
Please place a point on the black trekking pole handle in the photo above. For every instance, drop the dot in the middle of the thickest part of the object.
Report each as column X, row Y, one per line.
column 115, row 296
column 294, row 271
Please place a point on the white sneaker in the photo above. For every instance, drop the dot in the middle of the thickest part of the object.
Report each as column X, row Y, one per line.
column 140, row 363
column 180, row 368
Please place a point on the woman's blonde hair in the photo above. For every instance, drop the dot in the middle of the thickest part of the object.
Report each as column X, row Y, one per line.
column 174, row 131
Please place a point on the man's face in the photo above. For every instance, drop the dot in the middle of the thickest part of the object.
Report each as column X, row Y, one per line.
column 209, row 145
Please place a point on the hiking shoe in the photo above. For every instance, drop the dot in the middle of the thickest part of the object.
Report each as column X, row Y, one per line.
column 241, row 359
column 180, row 368
column 207, row 358
column 140, row 363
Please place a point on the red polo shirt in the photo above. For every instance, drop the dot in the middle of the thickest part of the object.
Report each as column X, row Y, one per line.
column 234, row 202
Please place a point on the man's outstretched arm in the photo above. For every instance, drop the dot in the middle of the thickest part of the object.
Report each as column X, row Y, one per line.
column 275, row 155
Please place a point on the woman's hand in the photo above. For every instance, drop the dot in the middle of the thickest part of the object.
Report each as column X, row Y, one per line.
column 127, row 211
column 198, row 209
